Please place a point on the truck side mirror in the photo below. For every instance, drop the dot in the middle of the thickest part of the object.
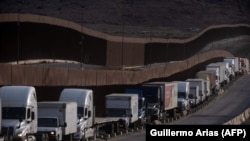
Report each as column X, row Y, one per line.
column 65, row 124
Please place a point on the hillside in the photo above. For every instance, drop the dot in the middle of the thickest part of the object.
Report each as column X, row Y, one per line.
column 144, row 18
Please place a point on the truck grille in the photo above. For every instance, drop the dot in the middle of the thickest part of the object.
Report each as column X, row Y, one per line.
column 7, row 131
column 179, row 104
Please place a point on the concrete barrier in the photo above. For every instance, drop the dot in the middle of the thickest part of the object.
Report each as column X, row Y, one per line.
column 239, row 119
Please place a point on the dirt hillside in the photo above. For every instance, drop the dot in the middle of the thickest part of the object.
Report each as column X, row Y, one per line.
column 159, row 18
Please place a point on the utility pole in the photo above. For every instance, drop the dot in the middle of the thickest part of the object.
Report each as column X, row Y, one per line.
column 82, row 37
column 18, row 29
column 123, row 26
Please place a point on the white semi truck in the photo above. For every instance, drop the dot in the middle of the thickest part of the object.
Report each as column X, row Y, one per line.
column 183, row 92
column 124, row 107
column 19, row 112
column 198, row 82
column 89, row 126
column 193, row 97
column 227, row 70
column 85, row 111
column 234, row 63
column 57, row 120
column 220, row 73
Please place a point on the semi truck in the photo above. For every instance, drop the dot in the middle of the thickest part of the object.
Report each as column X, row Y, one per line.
column 88, row 125
column 19, row 112
column 194, row 97
column 57, row 120
column 210, row 77
column 162, row 100
column 232, row 61
column 85, row 111
column 244, row 63
column 183, row 92
column 124, row 107
column 220, row 74
column 225, row 66
column 141, row 102
column 198, row 82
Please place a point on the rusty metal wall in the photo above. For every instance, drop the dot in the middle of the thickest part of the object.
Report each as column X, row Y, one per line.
column 165, row 52
column 49, row 76
column 124, row 54
column 44, row 41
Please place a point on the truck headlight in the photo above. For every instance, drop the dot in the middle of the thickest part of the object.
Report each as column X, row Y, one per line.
column 19, row 134
column 52, row 133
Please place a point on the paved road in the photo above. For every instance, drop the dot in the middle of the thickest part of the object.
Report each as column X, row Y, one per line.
column 225, row 107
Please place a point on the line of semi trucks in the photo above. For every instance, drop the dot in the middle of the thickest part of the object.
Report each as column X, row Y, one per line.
column 72, row 117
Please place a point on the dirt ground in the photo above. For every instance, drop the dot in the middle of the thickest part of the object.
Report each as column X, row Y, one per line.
column 144, row 18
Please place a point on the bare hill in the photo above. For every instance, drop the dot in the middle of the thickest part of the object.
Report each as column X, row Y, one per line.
column 158, row 18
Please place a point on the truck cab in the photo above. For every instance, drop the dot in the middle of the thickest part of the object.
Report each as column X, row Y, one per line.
column 19, row 112
column 57, row 119
column 85, row 111
column 50, row 125
column 193, row 97
column 141, row 102
column 183, row 92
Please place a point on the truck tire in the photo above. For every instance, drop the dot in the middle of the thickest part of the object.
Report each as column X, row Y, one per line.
column 57, row 138
column 16, row 139
column 172, row 113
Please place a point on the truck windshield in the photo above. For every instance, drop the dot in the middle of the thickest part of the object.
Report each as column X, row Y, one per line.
column 13, row 112
column 116, row 113
column 182, row 95
column 80, row 111
column 47, row 122
column 191, row 96
column 151, row 94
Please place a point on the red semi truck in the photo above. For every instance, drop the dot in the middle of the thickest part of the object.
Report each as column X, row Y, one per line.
column 162, row 99
column 244, row 63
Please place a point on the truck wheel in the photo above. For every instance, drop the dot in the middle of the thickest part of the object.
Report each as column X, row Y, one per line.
column 172, row 113
column 57, row 138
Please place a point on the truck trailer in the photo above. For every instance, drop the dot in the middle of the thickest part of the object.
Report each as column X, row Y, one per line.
column 220, row 73
column 124, row 107
column 244, row 63
column 162, row 100
column 210, row 77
